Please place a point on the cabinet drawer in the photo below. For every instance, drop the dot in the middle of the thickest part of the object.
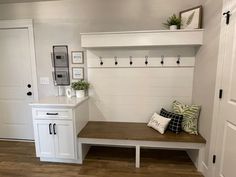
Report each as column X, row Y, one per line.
column 52, row 113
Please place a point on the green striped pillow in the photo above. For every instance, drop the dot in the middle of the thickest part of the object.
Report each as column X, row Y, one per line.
column 190, row 116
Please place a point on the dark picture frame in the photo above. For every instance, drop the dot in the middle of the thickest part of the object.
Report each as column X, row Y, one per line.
column 76, row 56
column 189, row 18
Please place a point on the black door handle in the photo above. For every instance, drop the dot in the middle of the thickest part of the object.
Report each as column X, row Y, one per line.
column 50, row 129
column 29, row 93
column 52, row 114
column 29, row 85
column 54, row 129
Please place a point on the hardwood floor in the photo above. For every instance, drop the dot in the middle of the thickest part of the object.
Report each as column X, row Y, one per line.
column 17, row 159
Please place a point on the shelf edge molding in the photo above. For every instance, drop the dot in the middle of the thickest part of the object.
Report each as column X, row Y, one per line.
column 143, row 38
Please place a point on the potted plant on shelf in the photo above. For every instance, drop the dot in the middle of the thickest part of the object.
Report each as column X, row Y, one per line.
column 173, row 22
column 80, row 87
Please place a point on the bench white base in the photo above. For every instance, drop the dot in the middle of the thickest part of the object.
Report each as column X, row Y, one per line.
column 194, row 150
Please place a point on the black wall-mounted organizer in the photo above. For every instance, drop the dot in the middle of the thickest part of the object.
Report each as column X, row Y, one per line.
column 61, row 74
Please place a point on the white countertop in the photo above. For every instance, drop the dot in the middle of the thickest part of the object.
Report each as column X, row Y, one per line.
column 58, row 101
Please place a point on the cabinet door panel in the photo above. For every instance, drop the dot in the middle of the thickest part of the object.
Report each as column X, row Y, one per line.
column 64, row 140
column 43, row 139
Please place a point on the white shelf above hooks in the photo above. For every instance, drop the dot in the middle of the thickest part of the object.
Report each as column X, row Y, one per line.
column 143, row 38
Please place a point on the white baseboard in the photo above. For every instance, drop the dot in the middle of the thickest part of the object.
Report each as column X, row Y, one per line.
column 17, row 140
column 205, row 169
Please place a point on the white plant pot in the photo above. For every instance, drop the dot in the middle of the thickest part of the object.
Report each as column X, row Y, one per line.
column 80, row 93
column 173, row 27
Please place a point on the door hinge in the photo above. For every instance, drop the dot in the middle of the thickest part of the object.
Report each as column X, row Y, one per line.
column 227, row 16
column 214, row 159
column 220, row 93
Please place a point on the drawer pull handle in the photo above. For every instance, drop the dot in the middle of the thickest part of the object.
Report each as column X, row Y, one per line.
column 52, row 114
column 54, row 129
column 50, row 129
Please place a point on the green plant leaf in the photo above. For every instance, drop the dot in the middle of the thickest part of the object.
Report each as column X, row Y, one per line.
column 80, row 85
column 190, row 18
column 173, row 20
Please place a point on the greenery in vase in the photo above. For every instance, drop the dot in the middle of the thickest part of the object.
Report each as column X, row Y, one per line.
column 80, row 85
column 173, row 20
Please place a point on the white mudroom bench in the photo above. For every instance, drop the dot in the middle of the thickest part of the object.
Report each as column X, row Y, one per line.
column 138, row 135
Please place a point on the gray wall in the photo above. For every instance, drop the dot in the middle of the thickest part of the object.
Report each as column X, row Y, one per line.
column 205, row 69
column 61, row 22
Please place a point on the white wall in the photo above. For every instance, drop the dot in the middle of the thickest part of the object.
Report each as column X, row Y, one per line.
column 61, row 22
column 125, row 93
column 205, row 70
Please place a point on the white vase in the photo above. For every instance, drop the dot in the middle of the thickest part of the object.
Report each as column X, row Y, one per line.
column 173, row 27
column 70, row 92
column 80, row 93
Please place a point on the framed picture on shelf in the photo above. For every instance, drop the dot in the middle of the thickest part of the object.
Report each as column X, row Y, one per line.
column 77, row 57
column 77, row 73
column 192, row 18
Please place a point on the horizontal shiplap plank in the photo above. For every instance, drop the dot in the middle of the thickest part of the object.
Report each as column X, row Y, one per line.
column 127, row 112
column 154, row 56
column 140, row 62
column 132, row 95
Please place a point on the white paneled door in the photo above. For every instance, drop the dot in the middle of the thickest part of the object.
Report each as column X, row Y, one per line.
column 226, row 143
column 17, row 87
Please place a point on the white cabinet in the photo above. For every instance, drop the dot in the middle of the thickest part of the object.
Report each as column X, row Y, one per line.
column 54, row 139
column 57, row 122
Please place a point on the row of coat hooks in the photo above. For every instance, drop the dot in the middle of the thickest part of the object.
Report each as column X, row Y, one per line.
column 145, row 60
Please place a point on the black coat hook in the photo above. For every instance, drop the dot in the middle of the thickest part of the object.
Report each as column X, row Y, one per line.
column 227, row 16
column 146, row 60
column 116, row 62
column 101, row 62
column 162, row 60
column 130, row 60
column 178, row 61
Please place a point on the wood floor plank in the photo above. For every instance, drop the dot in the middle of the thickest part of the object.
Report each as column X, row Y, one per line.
column 17, row 159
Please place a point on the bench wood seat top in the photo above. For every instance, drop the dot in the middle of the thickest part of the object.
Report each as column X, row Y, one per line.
column 134, row 131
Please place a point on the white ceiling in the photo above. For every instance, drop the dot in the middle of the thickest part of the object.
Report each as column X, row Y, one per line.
column 20, row 1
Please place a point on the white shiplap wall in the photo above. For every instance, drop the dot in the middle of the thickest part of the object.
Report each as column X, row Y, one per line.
column 127, row 93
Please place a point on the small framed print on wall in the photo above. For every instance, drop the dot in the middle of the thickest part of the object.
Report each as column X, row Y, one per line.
column 77, row 57
column 192, row 18
column 78, row 73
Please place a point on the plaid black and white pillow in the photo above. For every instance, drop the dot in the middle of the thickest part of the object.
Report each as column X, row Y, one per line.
column 176, row 120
